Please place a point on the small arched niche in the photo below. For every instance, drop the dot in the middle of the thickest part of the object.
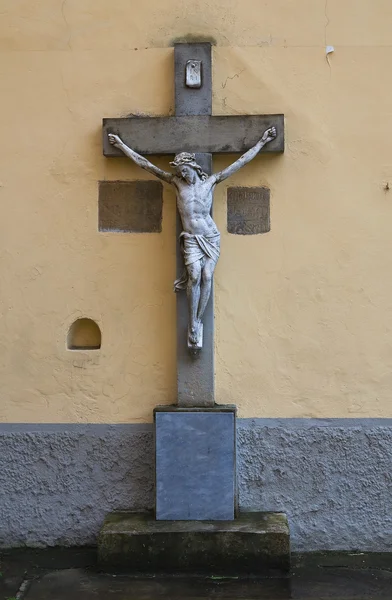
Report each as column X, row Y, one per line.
column 84, row 334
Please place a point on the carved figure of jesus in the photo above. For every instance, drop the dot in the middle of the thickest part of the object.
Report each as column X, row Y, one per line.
column 200, row 238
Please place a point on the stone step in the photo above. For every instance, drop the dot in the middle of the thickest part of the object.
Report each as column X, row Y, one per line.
column 255, row 543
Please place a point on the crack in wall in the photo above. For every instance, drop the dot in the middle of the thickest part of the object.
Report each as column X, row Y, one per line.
column 66, row 23
column 233, row 77
column 327, row 22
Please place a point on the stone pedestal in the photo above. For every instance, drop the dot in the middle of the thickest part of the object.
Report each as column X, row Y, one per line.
column 195, row 463
column 252, row 544
column 194, row 529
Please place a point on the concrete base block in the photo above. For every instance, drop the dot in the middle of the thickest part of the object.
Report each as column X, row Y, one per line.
column 253, row 544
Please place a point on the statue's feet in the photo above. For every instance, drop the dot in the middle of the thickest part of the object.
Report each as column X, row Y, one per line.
column 195, row 337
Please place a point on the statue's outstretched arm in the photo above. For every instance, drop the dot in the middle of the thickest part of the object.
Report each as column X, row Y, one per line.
column 268, row 136
column 138, row 159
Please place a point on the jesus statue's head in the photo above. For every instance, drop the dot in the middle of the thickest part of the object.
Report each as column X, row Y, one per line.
column 187, row 167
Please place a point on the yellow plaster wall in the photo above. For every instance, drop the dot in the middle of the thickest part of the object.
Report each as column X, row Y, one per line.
column 303, row 313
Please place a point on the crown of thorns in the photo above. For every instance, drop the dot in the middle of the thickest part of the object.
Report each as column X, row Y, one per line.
column 184, row 158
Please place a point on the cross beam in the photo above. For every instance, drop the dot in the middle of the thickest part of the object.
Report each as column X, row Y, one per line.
column 196, row 133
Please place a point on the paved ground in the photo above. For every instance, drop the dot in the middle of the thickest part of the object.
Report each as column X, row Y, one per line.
column 72, row 575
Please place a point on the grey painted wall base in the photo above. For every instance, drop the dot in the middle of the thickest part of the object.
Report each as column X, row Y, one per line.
column 331, row 477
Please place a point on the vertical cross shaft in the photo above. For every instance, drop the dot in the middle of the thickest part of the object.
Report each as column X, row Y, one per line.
column 195, row 373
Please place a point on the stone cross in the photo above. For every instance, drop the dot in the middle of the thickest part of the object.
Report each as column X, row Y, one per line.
column 192, row 130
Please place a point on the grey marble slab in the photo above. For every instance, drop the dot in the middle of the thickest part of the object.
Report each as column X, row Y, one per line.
column 195, row 465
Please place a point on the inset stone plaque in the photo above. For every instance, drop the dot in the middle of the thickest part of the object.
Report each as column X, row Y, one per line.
column 130, row 206
column 248, row 210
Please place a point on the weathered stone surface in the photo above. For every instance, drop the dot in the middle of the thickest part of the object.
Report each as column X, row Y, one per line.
column 130, row 206
column 251, row 544
column 195, row 464
column 248, row 210
column 169, row 135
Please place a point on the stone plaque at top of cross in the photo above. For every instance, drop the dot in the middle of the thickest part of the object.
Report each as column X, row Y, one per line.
column 191, row 136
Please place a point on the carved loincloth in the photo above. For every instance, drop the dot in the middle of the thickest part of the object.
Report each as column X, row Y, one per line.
column 194, row 248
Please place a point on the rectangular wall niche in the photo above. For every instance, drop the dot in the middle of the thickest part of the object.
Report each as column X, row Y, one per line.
column 130, row 206
column 248, row 210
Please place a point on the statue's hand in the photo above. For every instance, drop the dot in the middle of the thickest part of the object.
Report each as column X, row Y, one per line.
column 114, row 139
column 269, row 135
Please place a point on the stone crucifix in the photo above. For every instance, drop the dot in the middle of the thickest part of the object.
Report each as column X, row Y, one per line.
column 200, row 238
column 193, row 135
